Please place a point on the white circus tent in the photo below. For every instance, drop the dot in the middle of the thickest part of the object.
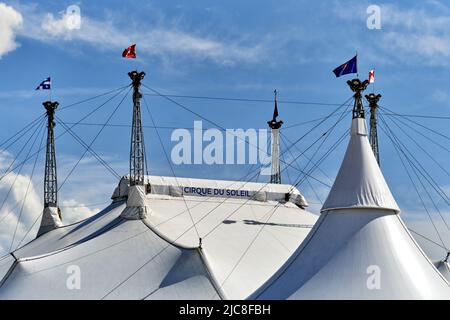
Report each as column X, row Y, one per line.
column 444, row 268
column 359, row 248
column 158, row 256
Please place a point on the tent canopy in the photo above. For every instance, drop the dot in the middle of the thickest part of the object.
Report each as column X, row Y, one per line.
column 359, row 248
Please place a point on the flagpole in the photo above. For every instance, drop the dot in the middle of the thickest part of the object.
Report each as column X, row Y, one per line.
column 357, row 74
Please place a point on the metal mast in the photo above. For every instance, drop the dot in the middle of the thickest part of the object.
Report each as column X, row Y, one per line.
column 51, row 215
column 275, row 125
column 137, row 151
column 373, row 137
column 50, row 177
column 358, row 87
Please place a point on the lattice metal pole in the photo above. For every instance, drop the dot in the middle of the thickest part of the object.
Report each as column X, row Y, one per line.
column 373, row 136
column 275, row 126
column 358, row 87
column 50, row 177
column 137, row 151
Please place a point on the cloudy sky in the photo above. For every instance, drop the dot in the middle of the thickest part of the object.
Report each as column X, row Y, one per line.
column 232, row 49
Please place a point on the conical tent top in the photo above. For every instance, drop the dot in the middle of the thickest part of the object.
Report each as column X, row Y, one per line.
column 360, row 183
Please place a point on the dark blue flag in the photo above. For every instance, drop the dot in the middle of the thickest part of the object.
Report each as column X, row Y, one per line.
column 349, row 67
column 45, row 85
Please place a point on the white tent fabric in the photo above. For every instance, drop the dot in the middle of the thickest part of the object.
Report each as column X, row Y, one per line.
column 214, row 188
column 6, row 264
column 359, row 183
column 444, row 269
column 64, row 237
column 136, row 204
column 157, row 257
column 50, row 220
column 121, row 259
column 359, row 248
column 235, row 233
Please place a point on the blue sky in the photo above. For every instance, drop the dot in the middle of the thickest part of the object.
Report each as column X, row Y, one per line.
column 237, row 49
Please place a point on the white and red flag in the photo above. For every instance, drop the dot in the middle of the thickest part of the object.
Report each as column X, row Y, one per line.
column 372, row 76
column 130, row 52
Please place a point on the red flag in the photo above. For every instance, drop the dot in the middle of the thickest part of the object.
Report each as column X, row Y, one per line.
column 130, row 52
column 372, row 76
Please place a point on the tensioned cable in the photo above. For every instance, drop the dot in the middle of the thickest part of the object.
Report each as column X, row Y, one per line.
column 307, row 122
column 397, row 148
column 85, row 145
column 16, row 205
column 94, row 139
column 337, row 109
column 424, row 173
column 92, row 98
column 326, row 155
column 232, row 213
column 35, row 127
column 301, row 179
column 155, row 94
column 284, row 159
column 418, row 116
column 345, row 104
column 428, row 239
column 169, row 243
column 285, row 102
column 245, row 141
column 420, row 147
column 306, row 157
column 429, row 196
column 62, row 134
column 28, row 188
column 86, row 205
column 236, row 210
column 20, row 168
column 250, row 245
column 422, row 134
column 61, row 207
column 416, row 123
column 170, row 164
column 310, row 184
column 21, row 133
column 240, row 206
column 174, row 241
column 174, row 128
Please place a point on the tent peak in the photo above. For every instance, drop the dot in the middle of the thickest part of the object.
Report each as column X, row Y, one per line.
column 360, row 182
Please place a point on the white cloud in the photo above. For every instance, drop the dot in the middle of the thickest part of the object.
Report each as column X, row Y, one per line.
column 416, row 33
column 10, row 21
column 164, row 40
column 12, row 208
column 72, row 210
column 75, row 211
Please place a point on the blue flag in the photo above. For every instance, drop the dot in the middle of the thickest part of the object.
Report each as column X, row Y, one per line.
column 45, row 85
column 349, row 67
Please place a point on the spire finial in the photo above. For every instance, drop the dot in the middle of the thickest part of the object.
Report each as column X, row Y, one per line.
column 275, row 125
